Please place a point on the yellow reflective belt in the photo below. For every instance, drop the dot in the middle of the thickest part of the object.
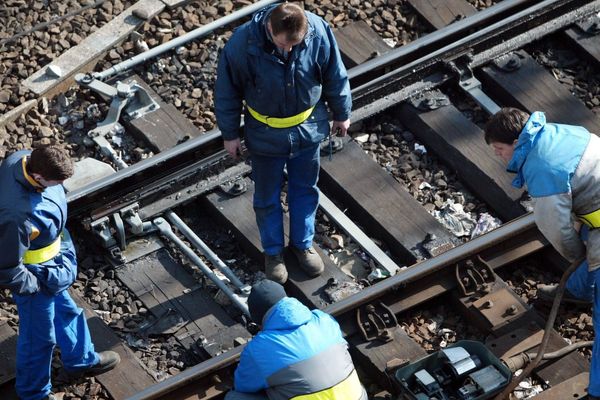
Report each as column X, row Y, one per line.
column 286, row 122
column 42, row 255
column 592, row 219
column 348, row 389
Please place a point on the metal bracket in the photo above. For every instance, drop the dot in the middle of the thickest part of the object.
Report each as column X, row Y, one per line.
column 508, row 62
column 132, row 218
column 234, row 188
column 120, row 230
column 475, row 277
column 131, row 98
column 429, row 101
column 101, row 229
column 376, row 321
column 590, row 25
column 461, row 67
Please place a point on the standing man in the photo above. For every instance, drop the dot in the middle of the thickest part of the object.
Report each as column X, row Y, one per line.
column 38, row 265
column 560, row 164
column 281, row 68
column 298, row 354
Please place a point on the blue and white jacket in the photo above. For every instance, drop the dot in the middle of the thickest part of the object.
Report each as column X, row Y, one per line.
column 560, row 166
column 32, row 218
column 251, row 71
column 298, row 354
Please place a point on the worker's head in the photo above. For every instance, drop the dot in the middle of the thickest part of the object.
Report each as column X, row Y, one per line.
column 503, row 129
column 264, row 295
column 288, row 25
column 50, row 165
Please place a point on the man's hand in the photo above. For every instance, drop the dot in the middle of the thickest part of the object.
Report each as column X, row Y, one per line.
column 340, row 128
column 233, row 147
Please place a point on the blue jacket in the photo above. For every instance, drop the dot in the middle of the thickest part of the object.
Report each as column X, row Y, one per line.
column 559, row 164
column 298, row 352
column 32, row 219
column 250, row 71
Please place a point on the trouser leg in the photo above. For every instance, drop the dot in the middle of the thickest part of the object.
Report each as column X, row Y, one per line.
column 581, row 283
column 34, row 345
column 303, row 196
column 72, row 334
column 267, row 173
column 594, row 386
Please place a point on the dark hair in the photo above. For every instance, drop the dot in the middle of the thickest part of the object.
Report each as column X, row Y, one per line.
column 264, row 295
column 289, row 18
column 51, row 162
column 505, row 126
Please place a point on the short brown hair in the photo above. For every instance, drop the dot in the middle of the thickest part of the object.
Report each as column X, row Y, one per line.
column 505, row 126
column 51, row 162
column 289, row 18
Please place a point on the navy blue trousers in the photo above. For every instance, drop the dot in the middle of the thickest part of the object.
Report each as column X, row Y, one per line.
column 44, row 321
column 302, row 198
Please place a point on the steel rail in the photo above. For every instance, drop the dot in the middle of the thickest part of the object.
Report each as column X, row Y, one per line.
column 406, row 276
column 181, row 40
column 386, row 84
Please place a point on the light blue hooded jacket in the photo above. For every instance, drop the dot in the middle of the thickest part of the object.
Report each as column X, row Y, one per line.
column 560, row 166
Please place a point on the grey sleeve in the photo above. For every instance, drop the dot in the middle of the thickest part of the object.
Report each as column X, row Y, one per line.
column 555, row 219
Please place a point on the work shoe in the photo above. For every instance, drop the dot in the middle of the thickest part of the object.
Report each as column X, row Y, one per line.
column 108, row 360
column 548, row 293
column 309, row 260
column 275, row 268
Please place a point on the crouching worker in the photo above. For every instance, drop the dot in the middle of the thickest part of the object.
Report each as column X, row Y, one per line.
column 298, row 354
column 559, row 164
column 38, row 265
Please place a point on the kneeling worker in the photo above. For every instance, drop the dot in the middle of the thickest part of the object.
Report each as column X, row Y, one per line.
column 298, row 354
column 38, row 264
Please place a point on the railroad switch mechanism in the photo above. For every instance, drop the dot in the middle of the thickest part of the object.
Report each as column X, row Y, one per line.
column 376, row 322
column 131, row 98
column 591, row 25
column 461, row 67
column 484, row 298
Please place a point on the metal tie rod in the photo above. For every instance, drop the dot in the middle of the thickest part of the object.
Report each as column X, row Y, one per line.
column 181, row 40
column 358, row 235
column 163, row 227
column 206, row 251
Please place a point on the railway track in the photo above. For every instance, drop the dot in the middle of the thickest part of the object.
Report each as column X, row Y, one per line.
column 485, row 59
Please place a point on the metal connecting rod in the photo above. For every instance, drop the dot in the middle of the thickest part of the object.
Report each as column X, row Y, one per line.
column 208, row 253
column 196, row 33
column 164, row 228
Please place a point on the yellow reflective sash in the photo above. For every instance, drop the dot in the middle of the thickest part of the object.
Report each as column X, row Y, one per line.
column 348, row 389
column 42, row 255
column 592, row 219
column 286, row 122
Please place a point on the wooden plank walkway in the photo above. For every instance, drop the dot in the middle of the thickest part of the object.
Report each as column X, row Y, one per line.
column 176, row 299
column 238, row 213
column 381, row 204
column 84, row 56
column 359, row 43
column 586, row 42
column 460, row 143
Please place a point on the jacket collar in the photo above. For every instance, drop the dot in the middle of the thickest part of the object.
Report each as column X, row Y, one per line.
column 527, row 139
column 24, row 178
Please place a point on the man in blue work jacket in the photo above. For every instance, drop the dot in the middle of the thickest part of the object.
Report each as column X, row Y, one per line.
column 298, row 354
column 281, row 68
column 560, row 164
column 38, row 264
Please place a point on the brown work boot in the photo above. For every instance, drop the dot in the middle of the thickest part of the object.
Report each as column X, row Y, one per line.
column 309, row 260
column 275, row 268
column 107, row 360
column 548, row 293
